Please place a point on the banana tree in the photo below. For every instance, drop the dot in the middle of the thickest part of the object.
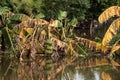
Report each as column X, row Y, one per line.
column 4, row 13
column 8, row 21
column 113, row 31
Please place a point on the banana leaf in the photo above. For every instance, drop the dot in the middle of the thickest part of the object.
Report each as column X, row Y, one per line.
column 7, row 38
column 108, row 13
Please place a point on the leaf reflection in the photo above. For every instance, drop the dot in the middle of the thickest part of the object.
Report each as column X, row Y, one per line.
column 105, row 76
column 45, row 68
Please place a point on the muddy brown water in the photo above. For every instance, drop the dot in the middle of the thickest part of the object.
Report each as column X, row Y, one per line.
column 45, row 68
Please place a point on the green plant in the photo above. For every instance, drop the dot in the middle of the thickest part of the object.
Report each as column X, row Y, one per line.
column 76, row 8
column 29, row 7
column 4, row 29
column 8, row 21
column 40, row 36
column 65, row 25
column 50, row 9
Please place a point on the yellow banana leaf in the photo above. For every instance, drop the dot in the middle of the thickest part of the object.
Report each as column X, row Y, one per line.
column 108, row 13
column 111, row 32
column 89, row 43
column 105, row 76
column 31, row 23
column 93, row 45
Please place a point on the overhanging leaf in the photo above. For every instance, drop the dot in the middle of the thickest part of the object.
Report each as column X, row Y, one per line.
column 108, row 13
column 31, row 23
column 89, row 43
column 111, row 32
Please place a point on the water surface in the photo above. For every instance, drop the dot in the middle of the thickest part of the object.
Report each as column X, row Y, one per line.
column 47, row 69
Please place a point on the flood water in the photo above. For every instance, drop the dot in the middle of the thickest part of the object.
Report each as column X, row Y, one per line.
column 63, row 69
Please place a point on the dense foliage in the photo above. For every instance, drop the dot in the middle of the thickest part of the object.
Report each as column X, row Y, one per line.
column 51, row 8
column 24, row 35
column 64, row 11
column 98, row 6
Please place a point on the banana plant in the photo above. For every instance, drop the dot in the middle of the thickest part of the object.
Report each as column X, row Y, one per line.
column 113, row 30
column 38, row 36
column 5, row 31
column 9, row 20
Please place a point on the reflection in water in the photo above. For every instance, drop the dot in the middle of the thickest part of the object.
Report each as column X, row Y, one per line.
column 105, row 76
column 87, row 73
column 79, row 77
column 47, row 69
column 95, row 76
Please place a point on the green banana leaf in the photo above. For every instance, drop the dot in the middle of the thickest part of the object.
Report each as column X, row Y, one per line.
column 8, row 39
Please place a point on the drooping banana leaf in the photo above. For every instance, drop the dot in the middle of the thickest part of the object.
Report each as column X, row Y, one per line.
column 31, row 23
column 93, row 45
column 108, row 13
column 7, row 37
column 89, row 43
column 111, row 32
